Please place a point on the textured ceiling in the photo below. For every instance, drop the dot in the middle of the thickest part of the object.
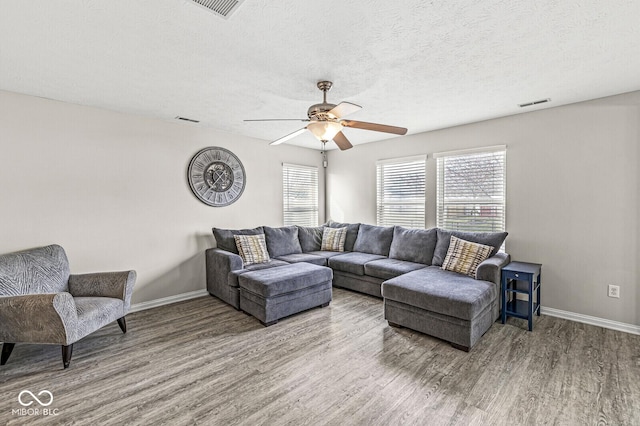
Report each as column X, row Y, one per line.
column 419, row 64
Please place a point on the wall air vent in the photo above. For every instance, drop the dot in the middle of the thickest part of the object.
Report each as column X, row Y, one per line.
column 541, row 101
column 223, row 8
column 190, row 120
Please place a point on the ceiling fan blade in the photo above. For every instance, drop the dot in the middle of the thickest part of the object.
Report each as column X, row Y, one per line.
column 279, row 119
column 374, row 126
column 289, row 136
column 341, row 140
column 344, row 108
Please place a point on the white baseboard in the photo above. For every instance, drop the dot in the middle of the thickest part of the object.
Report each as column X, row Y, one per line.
column 167, row 300
column 600, row 322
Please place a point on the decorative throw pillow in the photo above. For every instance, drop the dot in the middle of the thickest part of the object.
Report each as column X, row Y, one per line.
column 464, row 256
column 252, row 248
column 333, row 239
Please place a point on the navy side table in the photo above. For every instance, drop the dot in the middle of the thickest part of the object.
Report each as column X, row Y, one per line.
column 521, row 278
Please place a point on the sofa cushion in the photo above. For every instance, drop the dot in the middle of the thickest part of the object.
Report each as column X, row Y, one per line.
column 304, row 257
column 232, row 277
column 283, row 240
column 252, row 248
column 224, row 237
column 325, row 253
column 389, row 268
column 374, row 239
column 464, row 256
column 310, row 237
column 493, row 239
column 352, row 262
column 285, row 279
column 413, row 245
column 444, row 292
column 352, row 233
column 333, row 239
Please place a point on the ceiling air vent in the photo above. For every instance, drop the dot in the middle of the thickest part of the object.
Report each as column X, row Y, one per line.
column 541, row 101
column 222, row 8
column 190, row 120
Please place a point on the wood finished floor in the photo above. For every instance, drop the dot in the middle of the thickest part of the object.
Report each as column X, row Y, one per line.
column 202, row 362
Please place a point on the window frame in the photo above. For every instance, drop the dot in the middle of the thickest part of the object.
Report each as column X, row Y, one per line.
column 492, row 203
column 387, row 204
column 292, row 212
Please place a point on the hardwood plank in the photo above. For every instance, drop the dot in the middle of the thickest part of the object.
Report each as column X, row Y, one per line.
column 203, row 362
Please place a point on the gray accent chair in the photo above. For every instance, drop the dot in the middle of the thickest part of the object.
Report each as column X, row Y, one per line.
column 41, row 302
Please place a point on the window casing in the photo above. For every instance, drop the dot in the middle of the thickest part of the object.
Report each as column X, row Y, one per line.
column 471, row 190
column 400, row 188
column 300, row 194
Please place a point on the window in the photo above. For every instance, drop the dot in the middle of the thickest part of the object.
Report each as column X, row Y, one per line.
column 471, row 189
column 400, row 192
column 300, row 195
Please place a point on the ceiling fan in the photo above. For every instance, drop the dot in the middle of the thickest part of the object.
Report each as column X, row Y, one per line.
column 326, row 123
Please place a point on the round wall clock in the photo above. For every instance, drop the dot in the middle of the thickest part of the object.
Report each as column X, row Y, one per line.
column 216, row 176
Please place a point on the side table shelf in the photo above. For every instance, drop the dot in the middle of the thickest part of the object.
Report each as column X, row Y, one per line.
column 521, row 278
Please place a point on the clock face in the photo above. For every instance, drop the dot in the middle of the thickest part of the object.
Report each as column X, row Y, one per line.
column 216, row 176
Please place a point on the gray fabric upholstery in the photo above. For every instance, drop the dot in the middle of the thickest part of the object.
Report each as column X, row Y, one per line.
column 454, row 330
column 352, row 233
column 304, row 257
column 360, row 283
column 413, row 245
column 219, row 264
column 491, row 269
column 38, row 270
column 275, row 281
column 40, row 302
column 352, row 262
column 374, row 239
column 48, row 318
column 274, row 293
column 493, row 239
column 118, row 285
column 270, row 310
column 232, row 276
column 224, row 237
column 282, row 241
column 390, row 268
column 310, row 238
column 443, row 292
column 325, row 253
column 96, row 312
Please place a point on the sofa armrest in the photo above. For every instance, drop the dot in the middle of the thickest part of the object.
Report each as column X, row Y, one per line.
column 118, row 285
column 38, row 318
column 219, row 264
column 491, row 269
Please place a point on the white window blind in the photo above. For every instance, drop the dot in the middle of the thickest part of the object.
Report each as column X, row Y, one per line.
column 300, row 194
column 471, row 190
column 400, row 192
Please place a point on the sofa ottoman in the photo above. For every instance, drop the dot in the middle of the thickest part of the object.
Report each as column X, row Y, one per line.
column 274, row 293
column 443, row 304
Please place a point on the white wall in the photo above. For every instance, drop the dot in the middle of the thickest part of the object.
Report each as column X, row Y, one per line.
column 111, row 189
column 572, row 195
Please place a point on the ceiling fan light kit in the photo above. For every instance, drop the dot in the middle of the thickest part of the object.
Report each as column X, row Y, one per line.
column 326, row 124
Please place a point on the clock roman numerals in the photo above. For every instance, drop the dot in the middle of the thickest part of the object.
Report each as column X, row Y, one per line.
column 216, row 176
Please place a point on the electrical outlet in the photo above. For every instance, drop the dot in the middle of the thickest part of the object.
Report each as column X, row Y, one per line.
column 614, row 291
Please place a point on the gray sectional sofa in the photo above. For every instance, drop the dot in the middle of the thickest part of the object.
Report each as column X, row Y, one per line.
column 400, row 265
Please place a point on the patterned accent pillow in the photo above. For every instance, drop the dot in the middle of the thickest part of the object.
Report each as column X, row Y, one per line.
column 252, row 248
column 333, row 239
column 464, row 256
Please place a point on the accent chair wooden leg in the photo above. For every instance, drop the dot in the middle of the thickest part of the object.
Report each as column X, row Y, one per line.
column 66, row 355
column 394, row 325
column 6, row 352
column 123, row 324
